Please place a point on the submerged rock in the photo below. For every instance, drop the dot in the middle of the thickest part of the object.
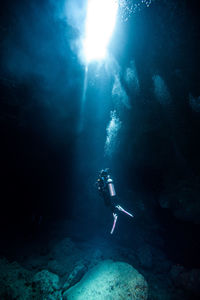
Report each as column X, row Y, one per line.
column 62, row 249
column 46, row 285
column 15, row 281
column 109, row 280
column 75, row 275
column 64, row 257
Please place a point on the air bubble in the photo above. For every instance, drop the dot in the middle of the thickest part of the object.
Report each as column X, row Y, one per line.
column 127, row 8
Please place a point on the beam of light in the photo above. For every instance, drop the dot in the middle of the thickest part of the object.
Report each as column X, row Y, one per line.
column 100, row 23
column 83, row 99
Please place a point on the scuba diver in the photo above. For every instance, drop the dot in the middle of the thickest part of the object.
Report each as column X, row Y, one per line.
column 106, row 190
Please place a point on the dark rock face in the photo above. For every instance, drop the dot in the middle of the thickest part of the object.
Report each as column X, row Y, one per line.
column 187, row 280
column 183, row 200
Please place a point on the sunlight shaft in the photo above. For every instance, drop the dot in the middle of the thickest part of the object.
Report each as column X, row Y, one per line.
column 100, row 23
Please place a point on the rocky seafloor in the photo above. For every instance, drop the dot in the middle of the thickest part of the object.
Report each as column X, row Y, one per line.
column 71, row 266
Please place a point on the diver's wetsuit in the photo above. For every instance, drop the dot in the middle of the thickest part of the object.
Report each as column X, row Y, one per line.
column 104, row 193
column 107, row 192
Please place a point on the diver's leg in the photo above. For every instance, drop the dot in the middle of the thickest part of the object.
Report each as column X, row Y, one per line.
column 123, row 210
column 115, row 216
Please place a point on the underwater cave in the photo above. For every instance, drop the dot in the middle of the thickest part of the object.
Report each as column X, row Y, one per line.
column 99, row 150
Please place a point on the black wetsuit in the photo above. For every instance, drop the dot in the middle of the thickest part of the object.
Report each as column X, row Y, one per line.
column 104, row 193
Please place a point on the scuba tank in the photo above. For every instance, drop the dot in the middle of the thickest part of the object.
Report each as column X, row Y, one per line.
column 111, row 187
